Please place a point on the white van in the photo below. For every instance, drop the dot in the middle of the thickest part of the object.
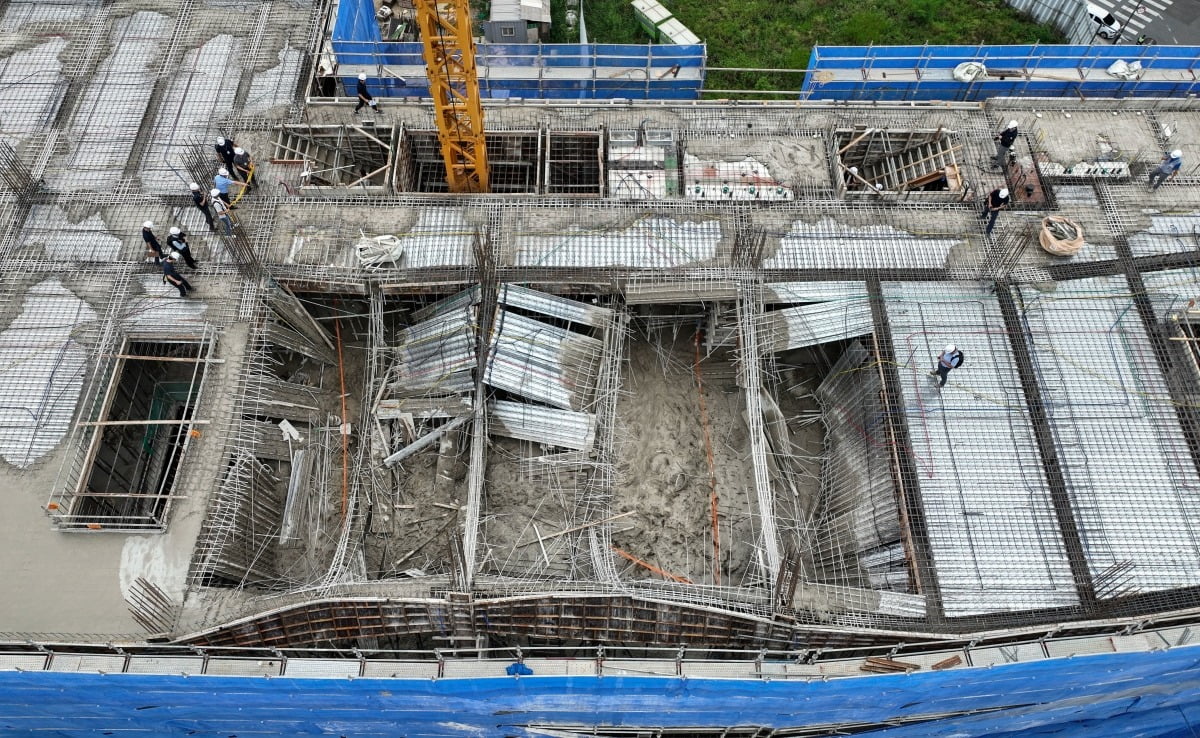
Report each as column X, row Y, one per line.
column 1108, row 26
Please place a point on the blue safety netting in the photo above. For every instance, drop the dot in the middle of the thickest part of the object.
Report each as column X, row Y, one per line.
column 355, row 30
column 924, row 72
column 561, row 71
column 1151, row 694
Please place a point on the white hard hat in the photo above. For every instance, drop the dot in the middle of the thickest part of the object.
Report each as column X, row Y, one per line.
column 220, row 140
column 950, row 348
column 148, row 224
column 1177, row 153
column 175, row 231
column 214, row 192
column 1012, row 124
column 362, row 76
column 174, row 255
column 238, row 150
column 223, row 172
column 193, row 186
column 1004, row 192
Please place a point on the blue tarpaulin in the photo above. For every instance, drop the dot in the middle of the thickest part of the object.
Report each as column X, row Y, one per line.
column 1147, row 694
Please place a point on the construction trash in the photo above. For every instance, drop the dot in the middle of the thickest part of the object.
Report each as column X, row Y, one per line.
column 970, row 71
column 1060, row 236
column 1125, row 70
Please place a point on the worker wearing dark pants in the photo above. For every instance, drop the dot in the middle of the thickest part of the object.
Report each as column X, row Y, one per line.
column 224, row 149
column 200, row 200
column 996, row 201
column 243, row 167
column 364, row 95
column 152, row 244
column 950, row 358
column 172, row 277
column 1004, row 141
column 222, row 211
column 177, row 243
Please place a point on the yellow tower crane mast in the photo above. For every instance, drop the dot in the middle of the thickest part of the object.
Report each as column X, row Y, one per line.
column 449, row 51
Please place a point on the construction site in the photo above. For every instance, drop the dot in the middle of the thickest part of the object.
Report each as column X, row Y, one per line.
column 663, row 388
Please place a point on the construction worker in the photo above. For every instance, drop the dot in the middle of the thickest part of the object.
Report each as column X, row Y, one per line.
column 222, row 182
column 996, row 201
column 153, row 247
column 364, row 95
column 243, row 167
column 950, row 358
column 221, row 208
column 177, row 243
column 201, row 201
column 1004, row 141
column 1168, row 168
column 224, row 150
column 174, row 278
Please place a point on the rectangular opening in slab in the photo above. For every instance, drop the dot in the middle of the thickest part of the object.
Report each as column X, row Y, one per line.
column 681, row 439
column 573, row 164
column 897, row 160
column 140, row 438
column 336, row 156
column 513, row 162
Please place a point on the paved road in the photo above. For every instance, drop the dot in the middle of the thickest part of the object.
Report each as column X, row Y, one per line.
column 1166, row 21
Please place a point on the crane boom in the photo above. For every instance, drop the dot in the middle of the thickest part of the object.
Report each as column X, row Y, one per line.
column 449, row 51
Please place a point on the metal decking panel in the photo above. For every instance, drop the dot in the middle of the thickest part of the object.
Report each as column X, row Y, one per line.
column 650, row 243
column 991, row 524
column 1132, row 481
column 829, row 244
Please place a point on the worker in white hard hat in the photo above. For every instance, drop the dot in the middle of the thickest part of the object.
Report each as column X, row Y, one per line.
column 202, row 203
column 153, row 247
column 1168, row 168
column 996, row 201
column 222, row 182
column 173, row 277
column 224, row 149
column 177, row 243
column 950, row 358
column 243, row 167
column 1004, row 141
column 221, row 208
column 364, row 95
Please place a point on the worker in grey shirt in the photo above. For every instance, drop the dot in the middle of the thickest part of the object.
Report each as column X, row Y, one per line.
column 1167, row 169
column 1004, row 141
column 221, row 208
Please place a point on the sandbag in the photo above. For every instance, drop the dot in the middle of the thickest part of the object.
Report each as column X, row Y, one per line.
column 1060, row 236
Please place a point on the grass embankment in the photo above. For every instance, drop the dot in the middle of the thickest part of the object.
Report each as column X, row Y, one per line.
column 778, row 34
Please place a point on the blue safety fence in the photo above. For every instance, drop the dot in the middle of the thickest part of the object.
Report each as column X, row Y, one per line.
column 559, row 71
column 925, row 72
column 1147, row 693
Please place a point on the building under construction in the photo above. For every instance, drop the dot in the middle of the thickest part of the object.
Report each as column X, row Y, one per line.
column 658, row 407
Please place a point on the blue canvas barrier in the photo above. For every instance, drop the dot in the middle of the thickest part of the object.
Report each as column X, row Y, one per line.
column 1146, row 693
column 923, row 72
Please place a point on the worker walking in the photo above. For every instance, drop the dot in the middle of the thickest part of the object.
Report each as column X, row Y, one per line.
column 201, row 201
column 364, row 95
column 177, row 243
column 221, row 208
column 243, row 167
column 224, row 148
column 1004, row 141
column 950, row 358
column 222, row 182
column 996, row 201
column 1167, row 169
column 174, row 278
column 153, row 247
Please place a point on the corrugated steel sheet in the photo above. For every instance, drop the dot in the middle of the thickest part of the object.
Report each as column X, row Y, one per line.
column 801, row 292
column 992, row 528
column 542, row 362
column 1131, row 478
column 543, row 425
column 650, row 242
column 819, row 322
column 829, row 244
column 574, row 311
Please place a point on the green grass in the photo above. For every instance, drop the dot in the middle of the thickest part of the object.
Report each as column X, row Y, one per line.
column 778, row 34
